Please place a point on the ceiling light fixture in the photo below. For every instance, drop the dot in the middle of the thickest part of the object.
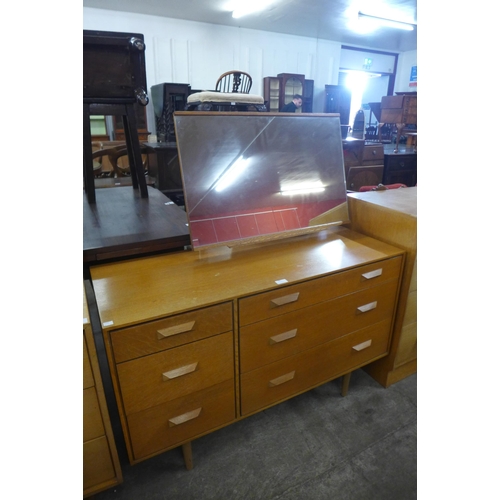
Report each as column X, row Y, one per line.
column 246, row 7
column 387, row 22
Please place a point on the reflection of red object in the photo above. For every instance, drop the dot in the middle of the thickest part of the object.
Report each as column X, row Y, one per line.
column 218, row 229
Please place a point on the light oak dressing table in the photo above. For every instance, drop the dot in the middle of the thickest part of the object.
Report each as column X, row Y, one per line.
column 200, row 339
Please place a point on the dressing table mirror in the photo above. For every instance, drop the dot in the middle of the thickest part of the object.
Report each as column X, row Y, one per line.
column 252, row 176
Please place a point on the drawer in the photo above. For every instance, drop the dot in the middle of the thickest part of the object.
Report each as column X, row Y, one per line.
column 289, row 298
column 92, row 419
column 401, row 162
column 285, row 378
column 173, row 331
column 276, row 338
column 373, row 154
column 88, row 377
column 97, row 464
column 168, row 375
column 169, row 424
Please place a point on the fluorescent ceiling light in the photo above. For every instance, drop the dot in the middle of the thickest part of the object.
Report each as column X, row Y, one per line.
column 245, row 7
column 381, row 21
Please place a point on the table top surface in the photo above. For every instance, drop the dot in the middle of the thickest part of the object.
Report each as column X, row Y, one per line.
column 402, row 200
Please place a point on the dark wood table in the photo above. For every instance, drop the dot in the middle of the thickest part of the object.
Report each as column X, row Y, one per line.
column 123, row 224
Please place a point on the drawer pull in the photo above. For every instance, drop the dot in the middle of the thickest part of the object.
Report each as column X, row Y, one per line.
column 175, row 330
column 372, row 274
column 363, row 345
column 287, row 299
column 367, row 307
column 282, row 379
column 190, row 415
column 282, row 336
column 178, row 372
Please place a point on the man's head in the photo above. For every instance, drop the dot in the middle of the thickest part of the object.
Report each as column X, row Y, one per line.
column 297, row 100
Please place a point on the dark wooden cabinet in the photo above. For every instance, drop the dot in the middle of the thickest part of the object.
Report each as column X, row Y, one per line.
column 338, row 100
column 400, row 168
column 279, row 90
column 363, row 164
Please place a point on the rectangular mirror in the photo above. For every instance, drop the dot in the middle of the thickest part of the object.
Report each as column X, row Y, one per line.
column 258, row 176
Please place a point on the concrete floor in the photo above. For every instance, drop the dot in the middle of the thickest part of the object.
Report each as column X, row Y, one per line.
column 316, row 446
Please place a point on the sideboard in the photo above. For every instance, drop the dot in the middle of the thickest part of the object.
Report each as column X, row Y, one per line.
column 391, row 216
column 197, row 340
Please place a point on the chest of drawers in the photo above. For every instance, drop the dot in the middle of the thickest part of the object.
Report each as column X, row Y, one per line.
column 400, row 168
column 198, row 340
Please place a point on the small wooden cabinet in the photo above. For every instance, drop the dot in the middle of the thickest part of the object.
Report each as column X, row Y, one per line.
column 391, row 216
column 279, row 90
column 363, row 163
column 198, row 340
column 400, row 168
column 101, row 466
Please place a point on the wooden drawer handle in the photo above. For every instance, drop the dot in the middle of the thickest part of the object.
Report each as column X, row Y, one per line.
column 282, row 379
column 175, row 330
column 372, row 274
column 190, row 415
column 282, row 336
column 178, row 372
column 367, row 307
column 363, row 345
column 287, row 299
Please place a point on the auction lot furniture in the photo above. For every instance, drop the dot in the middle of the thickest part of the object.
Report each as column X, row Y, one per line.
column 197, row 340
column 101, row 466
column 391, row 216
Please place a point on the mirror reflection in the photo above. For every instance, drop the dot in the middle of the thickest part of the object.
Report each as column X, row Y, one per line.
column 250, row 176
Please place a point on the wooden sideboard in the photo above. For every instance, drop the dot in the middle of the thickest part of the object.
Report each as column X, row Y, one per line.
column 198, row 340
column 101, row 466
column 363, row 163
column 400, row 168
column 391, row 216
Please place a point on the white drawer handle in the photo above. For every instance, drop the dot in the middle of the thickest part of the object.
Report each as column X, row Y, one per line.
column 190, row 415
column 178, row 372
column 287, row 299
column 363, row 345
column 282, row 336
column 372, row 274
column 282, row 379
column 367, row 307
column 175, row 330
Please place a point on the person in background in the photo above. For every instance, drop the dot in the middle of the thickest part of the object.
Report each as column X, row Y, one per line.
column 295, row 103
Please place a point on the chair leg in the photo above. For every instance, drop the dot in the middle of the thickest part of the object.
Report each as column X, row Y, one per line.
column 134, row 152
column 345, row 383
column 188, row 455
column 88, row 169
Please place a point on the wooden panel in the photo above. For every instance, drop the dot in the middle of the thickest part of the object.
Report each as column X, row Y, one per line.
column 314, row 325
column 214, row 363
column 97, row 464
column 92, row 418
column 264, row 306
column 407, row 350
column 154, row 430
column 273, row 383
column 88, row 378
column 171, row 332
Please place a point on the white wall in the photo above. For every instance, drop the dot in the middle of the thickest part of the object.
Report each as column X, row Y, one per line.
column 198, row 53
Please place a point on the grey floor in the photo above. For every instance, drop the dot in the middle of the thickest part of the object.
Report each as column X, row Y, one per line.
column 316, row 446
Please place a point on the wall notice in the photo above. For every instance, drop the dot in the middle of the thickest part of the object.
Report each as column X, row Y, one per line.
column 413, row 76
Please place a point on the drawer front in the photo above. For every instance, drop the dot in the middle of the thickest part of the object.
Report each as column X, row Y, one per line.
column 97, row 464
column 171, row 374
column 268, row 341
column 283, row 300
column 281, row 380
column 373, row 154
column 401, row 162
column 166, row 425
column 170, row 332
column 92, row 419
column 88, row 377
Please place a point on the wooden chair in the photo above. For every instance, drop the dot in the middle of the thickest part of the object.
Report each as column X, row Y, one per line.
column 234, row 81
column 121, row 168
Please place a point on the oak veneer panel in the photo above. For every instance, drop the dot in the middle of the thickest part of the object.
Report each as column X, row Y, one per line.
column 196, row 279
column 312, row 367
column 262, row 306
column 88, row 378
column 212, row 360
column 98, row 468
column 314, row 325
column 92, row 418
column 144, row 339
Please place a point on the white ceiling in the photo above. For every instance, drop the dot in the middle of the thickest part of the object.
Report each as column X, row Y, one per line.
column 325, row 19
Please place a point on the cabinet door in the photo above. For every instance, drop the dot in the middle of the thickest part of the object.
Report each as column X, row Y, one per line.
column 338, row 100
column 364, row 176
column 291, row 84
column 272, row 93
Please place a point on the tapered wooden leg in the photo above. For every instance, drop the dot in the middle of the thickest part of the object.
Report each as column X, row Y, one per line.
column 188, row 455
column 345, row 383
